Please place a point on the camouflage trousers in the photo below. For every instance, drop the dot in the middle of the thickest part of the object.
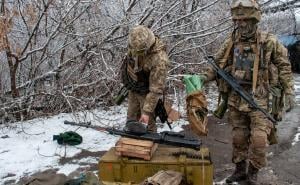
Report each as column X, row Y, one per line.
column 135, row 106
column 250, row 131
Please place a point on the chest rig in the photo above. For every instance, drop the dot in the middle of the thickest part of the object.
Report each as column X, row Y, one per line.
column 246, row 59
column 134, row 77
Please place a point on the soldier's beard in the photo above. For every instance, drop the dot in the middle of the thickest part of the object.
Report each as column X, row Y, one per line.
column 247, row 31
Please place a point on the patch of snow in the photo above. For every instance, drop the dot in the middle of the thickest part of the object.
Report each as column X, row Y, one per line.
column 223, row 182
column 68, row 168
column 297, row 137
column 28, row 147
column 87, row 160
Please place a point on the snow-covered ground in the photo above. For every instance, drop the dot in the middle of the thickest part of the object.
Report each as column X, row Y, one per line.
column 28, row 147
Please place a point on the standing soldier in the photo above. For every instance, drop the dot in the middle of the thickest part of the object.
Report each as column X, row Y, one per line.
column 251, row 56
column 144, row 75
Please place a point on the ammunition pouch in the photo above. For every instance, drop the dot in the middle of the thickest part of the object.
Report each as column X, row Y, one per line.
column 277, row 102
column 277, row 110
column 136, row 82
column 273, row 138
column 224, row 89
column 222, row 105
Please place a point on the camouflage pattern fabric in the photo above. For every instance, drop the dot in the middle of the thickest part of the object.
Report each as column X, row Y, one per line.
column 48, row 177
column 273, row 54
column 251, row 128
column 135, row 105
column 249, row 136
column 164, row 178
column 245, row 9
column 154, row 63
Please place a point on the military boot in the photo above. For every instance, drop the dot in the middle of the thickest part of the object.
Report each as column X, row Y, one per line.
column 252, row 175
column 239, row 174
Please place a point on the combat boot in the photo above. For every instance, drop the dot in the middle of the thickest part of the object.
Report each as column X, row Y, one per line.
column 239, row 174
column 252, row 175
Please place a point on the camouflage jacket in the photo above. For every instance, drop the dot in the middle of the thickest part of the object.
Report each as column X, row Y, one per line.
column 154, row 67
column 274, row 70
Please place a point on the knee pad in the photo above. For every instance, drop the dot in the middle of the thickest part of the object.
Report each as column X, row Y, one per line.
column 259, row 139
column 239, row 136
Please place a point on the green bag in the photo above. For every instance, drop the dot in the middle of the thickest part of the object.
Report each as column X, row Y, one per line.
column 193, row 83
column 70, row 138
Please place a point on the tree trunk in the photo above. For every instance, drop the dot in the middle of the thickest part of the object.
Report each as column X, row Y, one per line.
column 13, row 73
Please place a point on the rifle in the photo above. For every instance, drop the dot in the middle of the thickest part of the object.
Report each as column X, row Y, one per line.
column 236, row 86
column 161, row 112
column 166, row 137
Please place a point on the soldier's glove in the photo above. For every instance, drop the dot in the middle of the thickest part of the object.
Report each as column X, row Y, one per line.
column 290, row 102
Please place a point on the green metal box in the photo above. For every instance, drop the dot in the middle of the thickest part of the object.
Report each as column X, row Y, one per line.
column 195, row 165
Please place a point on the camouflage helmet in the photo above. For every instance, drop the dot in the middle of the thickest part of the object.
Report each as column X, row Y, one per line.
column 141, row 38
column 245, row 9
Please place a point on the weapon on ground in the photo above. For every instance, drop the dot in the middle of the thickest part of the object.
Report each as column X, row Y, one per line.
column 166, row 137
column 161, row 112
column 122, row 94
column 236, row 86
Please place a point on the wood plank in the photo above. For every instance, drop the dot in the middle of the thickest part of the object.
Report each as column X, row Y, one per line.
column 137, row 142
column 133, row 151
column 134, row 147
column 130, row 154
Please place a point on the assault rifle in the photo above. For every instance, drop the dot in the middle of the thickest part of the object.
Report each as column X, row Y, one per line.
column 161, row 112
column 236, row 86
column 166, row 137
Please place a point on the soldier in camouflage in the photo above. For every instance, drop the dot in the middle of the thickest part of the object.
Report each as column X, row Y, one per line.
column 258, row 62
column 146, row 69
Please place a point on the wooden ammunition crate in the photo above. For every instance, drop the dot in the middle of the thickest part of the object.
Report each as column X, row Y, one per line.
column 129, row 147
column 195, row 165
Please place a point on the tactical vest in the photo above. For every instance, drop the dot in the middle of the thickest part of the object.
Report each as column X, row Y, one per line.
column 251, row 64
column 246, row 62
column 133, row 76
column 135, row 81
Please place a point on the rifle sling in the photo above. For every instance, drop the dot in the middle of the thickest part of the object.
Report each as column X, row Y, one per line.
column 256, row 64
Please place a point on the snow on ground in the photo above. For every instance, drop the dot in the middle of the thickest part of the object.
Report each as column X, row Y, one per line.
column 28, row 147
column 297, row 137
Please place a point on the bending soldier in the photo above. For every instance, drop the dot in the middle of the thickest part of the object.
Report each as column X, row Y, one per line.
column 249, row 55
column 144, row 74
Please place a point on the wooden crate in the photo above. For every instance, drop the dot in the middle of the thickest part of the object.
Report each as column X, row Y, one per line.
column 135, row 148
